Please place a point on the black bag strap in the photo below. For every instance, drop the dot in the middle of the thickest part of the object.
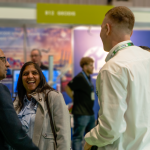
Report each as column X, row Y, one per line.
column 50, row 116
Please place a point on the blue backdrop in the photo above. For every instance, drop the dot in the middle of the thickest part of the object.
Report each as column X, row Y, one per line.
column 141, row 38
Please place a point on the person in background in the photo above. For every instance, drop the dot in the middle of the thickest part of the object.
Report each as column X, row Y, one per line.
column 36, row 57
column 11, row 131
column 145, row 48
column 81, row 90
column 123, row 86
column 32, row 110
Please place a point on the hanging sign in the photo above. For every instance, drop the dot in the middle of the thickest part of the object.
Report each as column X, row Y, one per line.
column 71, row 14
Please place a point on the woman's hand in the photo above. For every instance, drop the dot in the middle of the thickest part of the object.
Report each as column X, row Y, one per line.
column 87, row 146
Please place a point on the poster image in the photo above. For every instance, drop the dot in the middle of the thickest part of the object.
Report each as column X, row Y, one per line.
column 17, row 44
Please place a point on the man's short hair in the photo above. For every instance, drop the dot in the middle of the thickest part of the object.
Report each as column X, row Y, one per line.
column 85, row 61
column 122, row 15
column 36, row 49
column 145, row 48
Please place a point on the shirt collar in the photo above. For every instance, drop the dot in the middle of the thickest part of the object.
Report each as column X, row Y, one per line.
column 26, row 101
column 111, row 51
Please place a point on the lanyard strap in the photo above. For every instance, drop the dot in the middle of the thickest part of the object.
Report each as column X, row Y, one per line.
column 121, row 47
column 90, row 84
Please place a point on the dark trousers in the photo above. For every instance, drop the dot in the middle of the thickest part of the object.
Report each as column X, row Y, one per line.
column 82, row 125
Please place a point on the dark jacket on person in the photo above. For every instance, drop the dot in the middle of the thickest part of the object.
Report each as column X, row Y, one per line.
column 11, row 131
column 43, row 67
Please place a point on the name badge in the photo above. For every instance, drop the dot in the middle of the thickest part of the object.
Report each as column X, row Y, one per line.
column 93, row 96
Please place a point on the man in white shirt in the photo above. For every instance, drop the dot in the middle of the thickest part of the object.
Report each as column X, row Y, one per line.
column 123, row 88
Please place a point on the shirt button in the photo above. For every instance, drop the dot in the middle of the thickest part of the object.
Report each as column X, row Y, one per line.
column 45, row 135
column 40, row 99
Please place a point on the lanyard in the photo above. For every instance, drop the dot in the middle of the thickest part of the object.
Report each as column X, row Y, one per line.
column 90, row 84
column 121, row 47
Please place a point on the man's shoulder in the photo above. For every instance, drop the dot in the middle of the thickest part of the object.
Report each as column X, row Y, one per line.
column 4, row 94
column 77, row 78
column 79, row 75
column 124, row 59
column 3, row 87
column 114, row 66
column 43, row 67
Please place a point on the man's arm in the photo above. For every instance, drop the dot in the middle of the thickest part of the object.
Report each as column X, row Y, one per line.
column 69, row 92
column 112, row 94
column 10, row 126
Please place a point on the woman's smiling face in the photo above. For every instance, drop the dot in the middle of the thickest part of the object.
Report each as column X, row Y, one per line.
column 30, row 78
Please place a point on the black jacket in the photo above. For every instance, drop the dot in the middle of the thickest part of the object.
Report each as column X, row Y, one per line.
column 43, row 67
column 11, row 131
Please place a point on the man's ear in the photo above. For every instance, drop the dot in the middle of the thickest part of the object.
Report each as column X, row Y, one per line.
column 108, row 29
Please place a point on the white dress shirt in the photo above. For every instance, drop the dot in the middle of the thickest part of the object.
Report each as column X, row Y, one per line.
column 123, row 86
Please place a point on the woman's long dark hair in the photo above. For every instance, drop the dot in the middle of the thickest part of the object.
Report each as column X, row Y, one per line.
column 43, row 86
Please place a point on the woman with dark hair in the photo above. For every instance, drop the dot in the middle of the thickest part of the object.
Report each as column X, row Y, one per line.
column 34, row 101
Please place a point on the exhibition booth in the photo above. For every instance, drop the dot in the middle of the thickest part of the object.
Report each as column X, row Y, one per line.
column 66, row 32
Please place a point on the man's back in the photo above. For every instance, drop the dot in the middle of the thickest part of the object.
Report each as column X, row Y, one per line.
column 129, row 74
